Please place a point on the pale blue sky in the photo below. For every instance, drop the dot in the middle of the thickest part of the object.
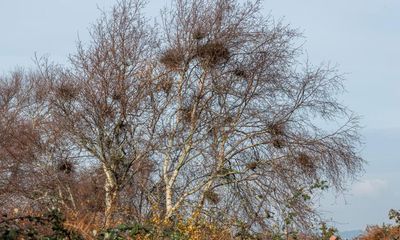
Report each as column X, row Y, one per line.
column 361, row 36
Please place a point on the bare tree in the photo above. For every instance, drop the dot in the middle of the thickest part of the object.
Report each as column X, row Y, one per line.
column 21, row 172
column 240, row 130
column 211, row 114
column 100, row 102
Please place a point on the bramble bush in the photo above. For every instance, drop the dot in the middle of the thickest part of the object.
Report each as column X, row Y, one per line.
column 49, row 226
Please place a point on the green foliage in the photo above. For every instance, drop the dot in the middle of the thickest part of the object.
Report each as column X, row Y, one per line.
column 303, row 194
column 395, row 216
column 321, row 184
column 49, row 226
column 125, row 230
column 134, row 230
column 327, row 232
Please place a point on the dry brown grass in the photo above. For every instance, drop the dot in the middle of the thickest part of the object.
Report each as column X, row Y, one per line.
column 381, row 233
column 85, row 224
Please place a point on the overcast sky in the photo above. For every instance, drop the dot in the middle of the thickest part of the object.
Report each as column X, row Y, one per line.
column 362, row 37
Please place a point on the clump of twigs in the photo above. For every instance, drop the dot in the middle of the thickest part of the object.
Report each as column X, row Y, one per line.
column 213, row 53
column 278, row 143
column 116, row 96
column 228, row 120
column 107, row 110
column 185, row 114
column 66, row 91
column 172, row 58
column 66, row 166
column 212, row 196
column 240, row 72
column 252, row 165
column 305, row 161
column 220, row 87
column 277, row 131
column 199, row 34
column 165, row 85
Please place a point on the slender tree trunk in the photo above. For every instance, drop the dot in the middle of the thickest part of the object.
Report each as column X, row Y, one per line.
column 207, row 187
column 168, row 202
column 111, row 198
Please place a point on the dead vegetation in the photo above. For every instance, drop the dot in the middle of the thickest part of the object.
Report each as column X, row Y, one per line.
column 213, row 53
column 172, row 59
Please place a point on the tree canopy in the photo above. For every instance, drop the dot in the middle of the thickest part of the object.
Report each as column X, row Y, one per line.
column 209, row 114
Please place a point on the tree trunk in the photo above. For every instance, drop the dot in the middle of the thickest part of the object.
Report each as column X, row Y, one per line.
column 111, row 198
column 168, row 202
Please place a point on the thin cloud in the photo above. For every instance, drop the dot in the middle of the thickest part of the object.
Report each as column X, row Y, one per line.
column 369, row 187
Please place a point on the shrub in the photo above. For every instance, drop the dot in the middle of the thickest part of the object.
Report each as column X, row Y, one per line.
column 49, row 226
